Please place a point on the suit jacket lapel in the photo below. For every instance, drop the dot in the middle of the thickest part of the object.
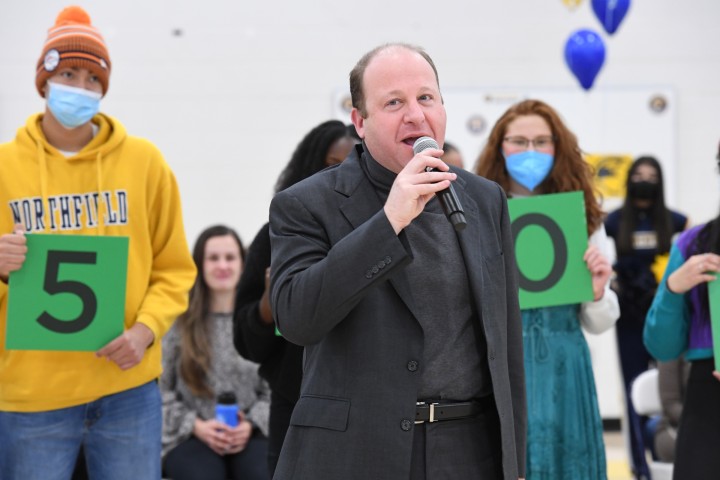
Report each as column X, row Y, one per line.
column 471, row 241
column 362, row 202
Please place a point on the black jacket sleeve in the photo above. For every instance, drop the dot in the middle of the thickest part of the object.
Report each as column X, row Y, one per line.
column 254, row 339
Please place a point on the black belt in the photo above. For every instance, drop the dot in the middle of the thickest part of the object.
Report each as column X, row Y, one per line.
column 433, row 412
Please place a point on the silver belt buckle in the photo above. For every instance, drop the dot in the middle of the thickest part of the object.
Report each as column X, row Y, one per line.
column 432, row 418
column 432, row 413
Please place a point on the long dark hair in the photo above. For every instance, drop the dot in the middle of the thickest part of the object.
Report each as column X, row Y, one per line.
column 570, row 171
column 659, row 214
column 311, row 153
column 195, row 350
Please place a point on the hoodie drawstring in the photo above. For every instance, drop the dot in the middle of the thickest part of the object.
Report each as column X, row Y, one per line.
column 100, row 218
column 42, row 162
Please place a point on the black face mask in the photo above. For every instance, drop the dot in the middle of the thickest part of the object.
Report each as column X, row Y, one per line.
column 643, row 190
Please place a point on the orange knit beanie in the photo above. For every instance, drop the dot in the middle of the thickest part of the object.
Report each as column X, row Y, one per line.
column 73, row 42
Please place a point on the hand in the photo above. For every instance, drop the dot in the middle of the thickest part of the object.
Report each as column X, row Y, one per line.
column 239, row 436
column 600, row 270
column 694, row 272
column 13, row 247
column 128, row 349
column 716, row 374
column 265, row 308
column 414, row 187
column 214, row 434
column 221, row 438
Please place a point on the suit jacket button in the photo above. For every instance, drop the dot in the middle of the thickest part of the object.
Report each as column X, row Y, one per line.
column 387, row 260
column 412, row 365
column 375, row 269
column 406, row 424
column 381, row 264
column 368, row 274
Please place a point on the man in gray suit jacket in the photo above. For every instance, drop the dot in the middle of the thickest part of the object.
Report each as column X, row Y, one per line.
column 413, row 362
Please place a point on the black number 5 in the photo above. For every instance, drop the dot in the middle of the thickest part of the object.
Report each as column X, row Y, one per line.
column 53, row 286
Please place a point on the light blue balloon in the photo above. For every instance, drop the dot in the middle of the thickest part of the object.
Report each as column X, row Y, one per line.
column 585, row 55
column 610, row 13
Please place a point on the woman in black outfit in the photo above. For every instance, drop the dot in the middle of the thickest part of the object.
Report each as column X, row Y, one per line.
column 255, row 335
column 642, row 228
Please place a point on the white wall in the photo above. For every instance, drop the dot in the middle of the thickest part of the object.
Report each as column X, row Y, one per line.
column 228, row 99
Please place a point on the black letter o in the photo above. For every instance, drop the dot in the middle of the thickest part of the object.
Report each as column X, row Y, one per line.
column 559, row 245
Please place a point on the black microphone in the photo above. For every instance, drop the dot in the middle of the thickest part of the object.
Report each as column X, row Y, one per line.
column 448, row 198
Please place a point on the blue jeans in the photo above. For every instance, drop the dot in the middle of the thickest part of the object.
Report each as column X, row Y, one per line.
column 120, row 434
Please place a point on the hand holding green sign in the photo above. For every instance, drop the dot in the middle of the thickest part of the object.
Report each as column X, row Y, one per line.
column 714, row 298
column 69, row 294
column 550, row 234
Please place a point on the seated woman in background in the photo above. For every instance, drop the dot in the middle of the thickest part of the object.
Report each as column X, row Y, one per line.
column 199, row 363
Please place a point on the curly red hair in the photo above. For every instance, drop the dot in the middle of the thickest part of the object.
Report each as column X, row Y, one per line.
column 570, row 171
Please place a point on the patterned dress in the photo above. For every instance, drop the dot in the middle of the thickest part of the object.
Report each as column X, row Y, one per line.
column 564, row 426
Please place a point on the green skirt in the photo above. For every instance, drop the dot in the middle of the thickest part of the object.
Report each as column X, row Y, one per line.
column 565, row 438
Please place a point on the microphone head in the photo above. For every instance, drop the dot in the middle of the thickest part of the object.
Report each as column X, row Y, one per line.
column 423, row 143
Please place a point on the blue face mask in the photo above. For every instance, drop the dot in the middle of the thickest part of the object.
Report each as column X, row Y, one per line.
column 529, row 168
column 72, row 106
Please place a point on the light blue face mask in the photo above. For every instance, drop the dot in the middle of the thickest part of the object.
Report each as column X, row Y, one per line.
column 529, row 168
column 72, row 106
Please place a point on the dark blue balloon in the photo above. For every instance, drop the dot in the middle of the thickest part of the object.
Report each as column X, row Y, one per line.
column 585, row 55
column 610, row 13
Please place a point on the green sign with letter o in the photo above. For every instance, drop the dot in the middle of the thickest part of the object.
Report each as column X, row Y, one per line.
column 550, row 234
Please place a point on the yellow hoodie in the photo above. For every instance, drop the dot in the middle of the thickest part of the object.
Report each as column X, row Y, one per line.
column 124, row 181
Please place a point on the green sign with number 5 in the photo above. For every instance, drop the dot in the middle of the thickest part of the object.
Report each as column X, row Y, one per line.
column 69, row 293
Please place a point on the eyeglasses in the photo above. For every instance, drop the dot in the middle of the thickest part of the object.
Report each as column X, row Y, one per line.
column 543, row 142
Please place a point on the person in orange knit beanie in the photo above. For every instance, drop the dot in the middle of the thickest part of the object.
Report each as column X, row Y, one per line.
column 75, row 171
column 73, row 42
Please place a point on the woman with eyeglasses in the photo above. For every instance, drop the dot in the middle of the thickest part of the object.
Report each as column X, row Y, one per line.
column 530, row 152
column 643, row 229
column 678, row 323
